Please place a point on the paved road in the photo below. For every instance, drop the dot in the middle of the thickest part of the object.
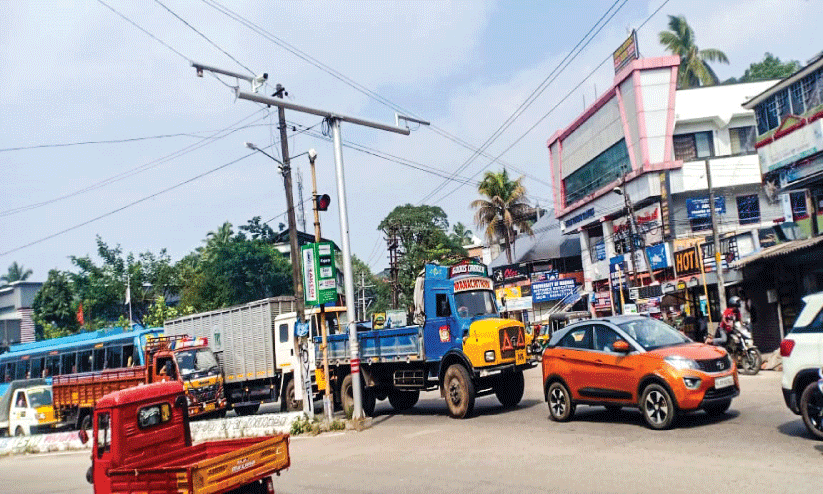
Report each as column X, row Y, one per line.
column 759, row 446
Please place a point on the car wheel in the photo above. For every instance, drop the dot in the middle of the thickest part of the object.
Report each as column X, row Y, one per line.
column 657, row 407
column 718, row 409
column 459, row 391
column 811, row 407
column 509, row 389
column 561, row 408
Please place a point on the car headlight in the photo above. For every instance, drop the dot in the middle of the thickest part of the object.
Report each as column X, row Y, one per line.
column 681, row 363
column 489, row 355
column 41, row 416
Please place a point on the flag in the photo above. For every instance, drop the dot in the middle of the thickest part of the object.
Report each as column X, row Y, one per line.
column 80, row 314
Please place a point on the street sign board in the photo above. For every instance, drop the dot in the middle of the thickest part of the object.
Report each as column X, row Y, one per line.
column 319, row 273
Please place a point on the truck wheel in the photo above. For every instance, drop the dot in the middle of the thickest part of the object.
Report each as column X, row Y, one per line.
column 459, row 391
column 247, row 410
column 403, row 400
column 509, row 389
column 19, row 431
column 347, row 396
column 85, row 422
column 288, row 402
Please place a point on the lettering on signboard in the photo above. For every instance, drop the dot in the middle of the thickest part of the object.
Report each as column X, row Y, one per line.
column 472, row 284
column 686, row 262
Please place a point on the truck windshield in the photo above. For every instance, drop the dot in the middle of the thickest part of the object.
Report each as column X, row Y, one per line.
column 40, row 398
column 196, row 363
column 475, row 303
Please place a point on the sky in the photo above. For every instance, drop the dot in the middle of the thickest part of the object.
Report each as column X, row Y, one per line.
column 77, row 72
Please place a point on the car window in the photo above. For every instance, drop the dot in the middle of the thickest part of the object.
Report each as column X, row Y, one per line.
column 443, row 307
column 808, row 321
column 578, row 338
column 604, row 337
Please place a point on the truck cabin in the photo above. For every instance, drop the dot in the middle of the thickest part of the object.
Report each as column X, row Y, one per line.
column 139, row 425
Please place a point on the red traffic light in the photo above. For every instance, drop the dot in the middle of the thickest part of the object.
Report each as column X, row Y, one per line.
column 322, row 202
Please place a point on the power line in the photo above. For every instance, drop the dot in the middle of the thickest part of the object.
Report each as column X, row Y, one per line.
column 110, row 141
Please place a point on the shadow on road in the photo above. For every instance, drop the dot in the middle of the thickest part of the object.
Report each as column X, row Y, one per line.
column 632, row 416
column 795, row 428
column 439, row 408
column 819, row 448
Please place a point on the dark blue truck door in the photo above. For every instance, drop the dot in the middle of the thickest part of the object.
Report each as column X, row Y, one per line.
column 441, row 326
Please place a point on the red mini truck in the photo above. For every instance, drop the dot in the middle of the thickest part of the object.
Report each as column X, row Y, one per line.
column 142, row 443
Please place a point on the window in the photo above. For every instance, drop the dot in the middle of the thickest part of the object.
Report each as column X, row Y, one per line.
column 443, row 307
column 284, row 333
column 69, row 364
column 22, row 369
column 114, row 357
column 153, row 415
column 796, row 93
column 20, row 401
column 99, row 358
column 606, row 167
column 84, row 360
column 701, row 224
column 798, row 200
column 578, row 338
column 748, row 209
column 742, row 140
column 103, row 433
column 689, row 147
column 36, row 367
column 53, row 365
column 128, row 356
column 604, row 338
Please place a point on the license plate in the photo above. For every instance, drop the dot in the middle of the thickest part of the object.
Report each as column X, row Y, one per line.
column 723, row 382
column 520, row 357
column 209, row 407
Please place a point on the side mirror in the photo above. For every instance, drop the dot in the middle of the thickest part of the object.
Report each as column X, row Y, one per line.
column 83, row 435
column 621, row 346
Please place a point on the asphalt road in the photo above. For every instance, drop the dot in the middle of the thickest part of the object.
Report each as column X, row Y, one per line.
column 758, row 446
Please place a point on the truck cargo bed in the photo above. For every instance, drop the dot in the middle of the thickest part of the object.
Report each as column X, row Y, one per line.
column 382, row 345
column 83, row 390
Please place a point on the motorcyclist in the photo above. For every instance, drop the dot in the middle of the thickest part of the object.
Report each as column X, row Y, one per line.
column 731, row 316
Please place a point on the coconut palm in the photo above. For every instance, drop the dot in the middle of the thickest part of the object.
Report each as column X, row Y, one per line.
column 504, row 211
column 16, row 273
column 693, row 71
column 460, row 234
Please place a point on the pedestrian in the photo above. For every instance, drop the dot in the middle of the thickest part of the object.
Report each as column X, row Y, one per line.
column 702, row 326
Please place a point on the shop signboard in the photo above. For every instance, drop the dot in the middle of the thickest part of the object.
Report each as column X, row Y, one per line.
column 626, row 52
column 699, row 207
column 791, row 147
column 538, row 276
column 659, row 256
column 728, row 247
column 510, row 273
column 686, row 262
column 602, row 301
column 552, row 290
column 649, row 226
column 668, row 287
column 617, row 271
column 319, row 273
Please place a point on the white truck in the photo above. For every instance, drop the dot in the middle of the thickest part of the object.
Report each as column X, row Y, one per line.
column 26, row 408
column 254, row 344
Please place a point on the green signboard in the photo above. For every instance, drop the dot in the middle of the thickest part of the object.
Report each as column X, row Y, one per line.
column 319, row 273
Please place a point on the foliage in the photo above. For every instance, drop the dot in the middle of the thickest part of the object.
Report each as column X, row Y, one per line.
column 54, row 307
column 504, row 211
column 694, row 70
column 422, row 235
column 16, row 273
column 337, row 425
column 159, row 312
column 305, row 425
column 377, row 293
column 460, row 234
column 770, row 68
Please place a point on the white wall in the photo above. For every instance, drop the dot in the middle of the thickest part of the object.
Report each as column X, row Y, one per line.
column 601, row 131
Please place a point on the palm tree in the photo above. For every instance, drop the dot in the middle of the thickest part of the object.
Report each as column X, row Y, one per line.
column 16, row 273
column 460, row 234
column 693, row 71
column 504, row 211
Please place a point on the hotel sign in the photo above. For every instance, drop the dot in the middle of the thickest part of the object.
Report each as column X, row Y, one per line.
column 686, row 262
column 626, row 52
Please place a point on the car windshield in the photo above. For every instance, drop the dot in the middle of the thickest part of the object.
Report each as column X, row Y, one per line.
column 475, row 303
column 197, row 363
column 40, row 398
column 651, row 333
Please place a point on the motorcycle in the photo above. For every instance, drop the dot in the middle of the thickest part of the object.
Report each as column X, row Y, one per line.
column 741, row 347
column 811, row 407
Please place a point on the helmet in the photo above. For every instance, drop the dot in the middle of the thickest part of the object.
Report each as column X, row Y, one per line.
column 734, row 302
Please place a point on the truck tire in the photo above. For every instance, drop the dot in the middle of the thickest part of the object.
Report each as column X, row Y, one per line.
column 347, row 396
column 459, row 389
column 509, row 389
column 288, row 403
column 19, row 431
column 403, row 400
column 247, row 410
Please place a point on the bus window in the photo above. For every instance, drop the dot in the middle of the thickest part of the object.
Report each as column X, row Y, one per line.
column 128, row 356
column 5, row 372
column 84, row 361
column 114, row 355
column 99, row 358
column 36, row 367
column 53, row 365
column 22, row 369
column 68, row 363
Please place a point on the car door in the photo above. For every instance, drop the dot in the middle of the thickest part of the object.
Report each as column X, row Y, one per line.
column 613, row 377
column 575, row 354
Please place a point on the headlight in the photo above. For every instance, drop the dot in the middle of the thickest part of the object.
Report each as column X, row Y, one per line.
column 681, row 363
column 489, row 355
column 691, row 382
column 41, row 416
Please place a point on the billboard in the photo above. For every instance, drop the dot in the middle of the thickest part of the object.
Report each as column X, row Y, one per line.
column 552, row 290
column 319, row 273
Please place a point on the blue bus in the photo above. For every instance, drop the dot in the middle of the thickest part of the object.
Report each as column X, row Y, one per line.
column 109, row 348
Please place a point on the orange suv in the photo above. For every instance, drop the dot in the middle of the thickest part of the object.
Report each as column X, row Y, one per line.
column 638, row 362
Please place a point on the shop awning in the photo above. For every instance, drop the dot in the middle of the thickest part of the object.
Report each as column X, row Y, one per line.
column 778, row 251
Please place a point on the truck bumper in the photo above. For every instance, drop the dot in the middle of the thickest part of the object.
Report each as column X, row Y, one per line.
column 498, row 369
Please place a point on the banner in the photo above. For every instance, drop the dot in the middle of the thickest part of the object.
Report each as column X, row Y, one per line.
column 319, row 273
column 699, row 208
column 509, row 274
column 649, row 228
column 552, row 290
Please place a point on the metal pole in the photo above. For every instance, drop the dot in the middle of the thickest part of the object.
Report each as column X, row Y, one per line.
column 328, row 397
column 718, row 257
column 129, row 290
column 348, row 282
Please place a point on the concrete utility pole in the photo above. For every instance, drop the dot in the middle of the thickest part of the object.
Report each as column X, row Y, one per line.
column 636, row 232
column 718, row 257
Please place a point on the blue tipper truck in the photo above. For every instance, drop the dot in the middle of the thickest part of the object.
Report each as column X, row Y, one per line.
column 459, row 344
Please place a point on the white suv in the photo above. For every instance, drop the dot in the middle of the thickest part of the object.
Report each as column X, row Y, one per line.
column 802, row 351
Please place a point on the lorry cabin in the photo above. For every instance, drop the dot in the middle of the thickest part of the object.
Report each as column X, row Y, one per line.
column 26, row 408
column 142, row 443
column 459, row 344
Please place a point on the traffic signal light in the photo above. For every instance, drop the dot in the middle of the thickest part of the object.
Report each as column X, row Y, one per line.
column 322, row 201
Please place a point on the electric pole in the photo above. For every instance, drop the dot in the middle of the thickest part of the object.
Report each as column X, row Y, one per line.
column 636, row 232
column 718, row 257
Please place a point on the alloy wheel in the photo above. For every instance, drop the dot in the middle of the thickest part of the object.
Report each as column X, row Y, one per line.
column 656, row 407
column 557, row 402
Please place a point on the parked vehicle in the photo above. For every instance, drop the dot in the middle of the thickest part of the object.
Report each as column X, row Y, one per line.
column 142, row 443
column 254, row 345
column 181, row 359
column 802, row 352
column 741, row 347
column 632, row 361
column 459, row 345
column 26, row 408
column 811, row 407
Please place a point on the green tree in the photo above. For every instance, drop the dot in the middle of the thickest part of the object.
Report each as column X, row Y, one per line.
column 16, row 273
column 770, row 68
column 504, row 211
column 694, row 70
column 159, row 312
column 378, row 291
column 55, row 307
column 460, row 234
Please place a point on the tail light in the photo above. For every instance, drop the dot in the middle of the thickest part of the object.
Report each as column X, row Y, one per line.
column 786, row 347
column 269, row 485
